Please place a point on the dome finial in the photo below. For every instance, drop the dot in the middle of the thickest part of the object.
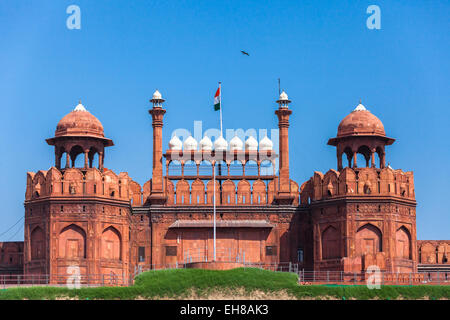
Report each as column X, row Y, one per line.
column 360, row 107
column 79, row 107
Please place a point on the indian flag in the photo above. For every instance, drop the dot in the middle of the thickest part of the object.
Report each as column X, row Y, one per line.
column 217, row 100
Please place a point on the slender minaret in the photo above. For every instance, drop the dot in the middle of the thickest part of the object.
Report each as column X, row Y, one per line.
column 283, row 112
column 157, row 195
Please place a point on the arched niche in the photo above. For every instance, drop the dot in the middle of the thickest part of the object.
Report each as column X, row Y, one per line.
column 37, row 243
column 259, row 192
column 72, row 242
column 228, row 192
column 330, row 243
column 368, row 240
column 403, row 243
column 198, row 192
column 210, row 192
column 183, row 193
column 244, row 192
column 111, row 248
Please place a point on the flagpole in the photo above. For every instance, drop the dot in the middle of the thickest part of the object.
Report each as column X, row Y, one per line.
column 214, row 200
column 214, row 172
column 220, row 100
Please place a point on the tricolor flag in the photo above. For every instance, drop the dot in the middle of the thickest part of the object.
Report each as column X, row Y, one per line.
column 217, row 100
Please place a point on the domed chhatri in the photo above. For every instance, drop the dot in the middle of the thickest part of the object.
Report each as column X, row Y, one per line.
column 190, row 144
column 157, row 95
column 236, row 144
column 251, row 144
column 79, row 122
column 206, row 144
column 361, row 132
column 157, row 99
column 79, row 132
column 360, row 122
column 265, row 144
column 284, row 96
column 220, row 144
column 175, row 143
column 283, row 100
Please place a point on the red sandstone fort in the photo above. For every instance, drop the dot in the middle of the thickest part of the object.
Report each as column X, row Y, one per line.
column 347, row 219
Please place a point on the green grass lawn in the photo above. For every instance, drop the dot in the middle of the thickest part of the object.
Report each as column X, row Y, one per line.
column 181, row 283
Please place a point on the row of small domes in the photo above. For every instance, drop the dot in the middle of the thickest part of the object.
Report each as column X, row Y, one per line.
column 220, row 144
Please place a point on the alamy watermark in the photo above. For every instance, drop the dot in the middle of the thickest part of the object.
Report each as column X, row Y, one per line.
column 374, row 279
column 374, row 20
column 74, row 20
column 74, row 279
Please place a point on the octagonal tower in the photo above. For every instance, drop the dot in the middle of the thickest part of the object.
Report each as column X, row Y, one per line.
column 360, row 216
column 78, row 217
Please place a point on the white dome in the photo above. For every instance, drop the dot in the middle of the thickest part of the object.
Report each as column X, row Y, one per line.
column 220, row 144
column 175, row 143
column 284, row 96
column 251, row 144
column 360, row 107
column 206, row 144
column 236, row 144
column 79, row 107
column 265, row 144
column 157, row 95
column 190, row 144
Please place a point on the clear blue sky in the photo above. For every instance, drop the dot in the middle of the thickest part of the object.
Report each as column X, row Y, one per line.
column 322, row 50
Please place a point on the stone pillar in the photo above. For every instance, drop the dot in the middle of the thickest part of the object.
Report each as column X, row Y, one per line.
column 58, row 156
column 283, row 113
column 167, row 167
column 283, row 124
column 67, row 160
column 182, row 167
column 355, row 165
column 100, row 161
column 339, row 158
column 86, row 158
column 382, row 160
column 372, row 155
column 157, row 112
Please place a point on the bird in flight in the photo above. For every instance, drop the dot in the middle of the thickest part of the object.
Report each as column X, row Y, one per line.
column 243, row 52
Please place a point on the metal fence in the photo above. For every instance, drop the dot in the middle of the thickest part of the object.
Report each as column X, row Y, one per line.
column 382, row 277
column 65, row 280
column 304, row 277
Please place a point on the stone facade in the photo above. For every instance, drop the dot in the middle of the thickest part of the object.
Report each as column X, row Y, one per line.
column 11, row 257
column 106, row 223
